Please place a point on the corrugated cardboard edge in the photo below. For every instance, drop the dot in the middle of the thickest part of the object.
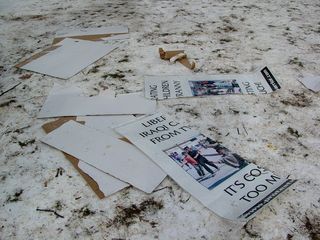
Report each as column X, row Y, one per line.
column 93, row 37
column 36, row 56
column 50, row 126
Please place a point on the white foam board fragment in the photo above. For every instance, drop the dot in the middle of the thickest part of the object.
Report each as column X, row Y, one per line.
column 106, row 123
column 63, row 104
column 69, row 58
column 111, row 155
column 107, row 183
column 311, row 82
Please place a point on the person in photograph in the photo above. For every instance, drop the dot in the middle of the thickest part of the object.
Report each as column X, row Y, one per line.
column 230, row 159
column 208, row 143
column 189, row 160
column 175, row 156
column 215, row 91
column 202, row 161
column 235, row 87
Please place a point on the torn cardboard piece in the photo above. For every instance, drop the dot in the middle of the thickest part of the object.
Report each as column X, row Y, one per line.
column 63, row 104
column 91, row 34
column 163, row 87
column 177, row 55
column 66, row 58
column 220, row 179
column 101, row 183
column 111, row 155
column 311, row 82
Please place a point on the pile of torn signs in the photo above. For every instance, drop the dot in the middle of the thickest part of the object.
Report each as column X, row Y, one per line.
column 96, row 149
column 112, row 148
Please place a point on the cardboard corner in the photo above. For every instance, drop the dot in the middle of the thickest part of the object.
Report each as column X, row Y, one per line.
column 36, row 56
column 49, row 127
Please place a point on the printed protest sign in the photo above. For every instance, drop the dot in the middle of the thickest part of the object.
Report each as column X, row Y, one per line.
column 222, row 180
column 163, row 87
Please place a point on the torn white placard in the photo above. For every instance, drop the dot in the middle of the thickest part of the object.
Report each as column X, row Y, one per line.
column 116, row 37
column 101, row 183
column 312, row 83
column 106, row 123
column 93, row 31
column 71, row 105
column 107, row 183
column 68, row 58
column 111, row 155
column 222, row 180
column 163, row 87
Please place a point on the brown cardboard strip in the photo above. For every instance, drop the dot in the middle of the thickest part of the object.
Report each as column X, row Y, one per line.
column 50, row 126
column 93, row 37
column 36, row 56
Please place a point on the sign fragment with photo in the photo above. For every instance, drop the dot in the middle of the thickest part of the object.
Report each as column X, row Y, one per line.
column 164, row 87
column 223, row 181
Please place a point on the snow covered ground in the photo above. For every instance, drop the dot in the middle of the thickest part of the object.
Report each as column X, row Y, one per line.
column 223, row 37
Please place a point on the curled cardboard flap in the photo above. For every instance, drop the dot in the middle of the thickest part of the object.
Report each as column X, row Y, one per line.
column 167, row 55
column 187, row 64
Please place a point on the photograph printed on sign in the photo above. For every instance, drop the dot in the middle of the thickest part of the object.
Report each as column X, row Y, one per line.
column 214, row 87
column 206, row 161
